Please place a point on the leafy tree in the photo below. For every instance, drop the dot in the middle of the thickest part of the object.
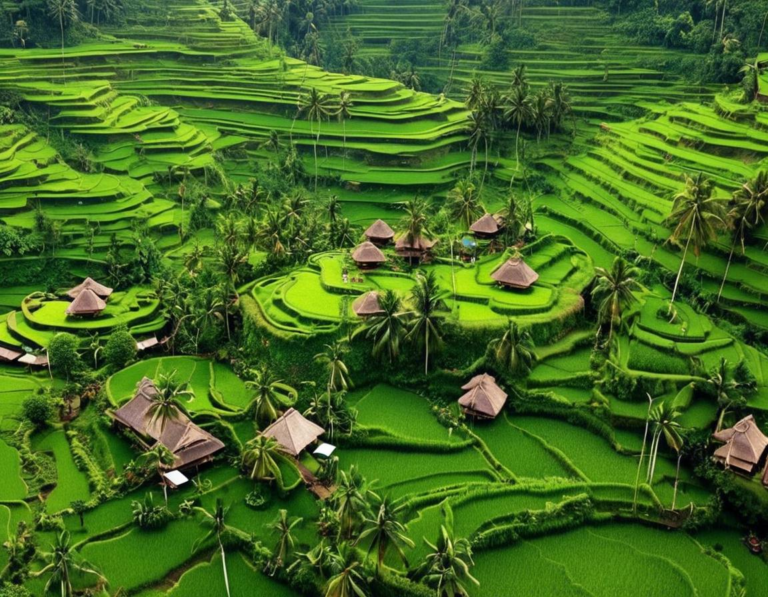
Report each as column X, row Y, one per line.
column 514, row 350
column 61, row 562
column 268, row 394
column 63, row 354
column 79, row 508
column 215, row 521
column 614, row 291
column 120, row 348
column 37, row 409
column 425, row 321
column 387, row 329
column 385, row 531
column 697, row 216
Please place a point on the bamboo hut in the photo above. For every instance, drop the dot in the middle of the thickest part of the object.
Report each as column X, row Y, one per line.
column 743, row 446
column 380, row 233
column 483, row 398
column 293, row 432
column 515, row 273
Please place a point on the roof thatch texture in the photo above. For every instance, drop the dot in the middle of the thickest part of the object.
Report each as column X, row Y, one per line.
column 39, row 360
column 368, row 254
column 515, row 273
column 484, row 397
column 380, row 230
column 367, row 304
column 293, row 432
column 420, row 244
column 486, row 225
column 8, row 355
column 189, row 443
column 90, row 284
column 744, row 445
column 87, row 302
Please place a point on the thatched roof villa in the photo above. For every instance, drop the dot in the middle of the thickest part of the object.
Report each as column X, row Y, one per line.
column 483, row 398
column 293, row 432
column 90, row 284
column 368, row 256
column 380, row 233
column 367, row 304
column 743, row 446
column 486, row 227
column 515, row 273
column 87, row 302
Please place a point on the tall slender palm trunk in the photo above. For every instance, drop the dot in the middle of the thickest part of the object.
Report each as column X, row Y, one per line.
column 677, row 479
column 730, row 257
column 680, row 271
column 224, row 566
column 642, row 453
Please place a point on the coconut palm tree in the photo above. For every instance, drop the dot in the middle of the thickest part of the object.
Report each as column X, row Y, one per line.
column 415, row 221
column 351, row 501
column 166, row 404
column 216, row 523
column 446, row 567
column 748, row 207
column 229, row 258
column 385, row 531
column 464, row 202
column 514, row 350
column 614, row 291
column 728, row 390
column 664, row 423
column 697, row 216
column 561, row 103
column 518, row 111
column 61, row 562
column 349, row 580
column 642, row 451
column 387, row 329
column 66, row 13
column 268, row 394
column 158, row 458
column 332, row 359
column 541, row 113
column 317, row 107
column 475, row 93
column 283, row 527
column 425, row 320
column 344, row 113
column 262, row 457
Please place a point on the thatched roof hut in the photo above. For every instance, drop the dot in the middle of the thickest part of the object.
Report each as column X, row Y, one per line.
column 367, row 304
column 293, row 432
column 39, row 360
column 414, row 248
column 486, row 227
column 87, row 302
column 483, row 398
column 515, row 273
column 368, row 255
column 743, row 445
column 380, row 233
column 90, row 284
column 190, row 444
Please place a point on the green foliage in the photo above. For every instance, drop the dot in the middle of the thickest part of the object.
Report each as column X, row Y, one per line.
column 38, row 410
column 120, row 348
column 63, row 354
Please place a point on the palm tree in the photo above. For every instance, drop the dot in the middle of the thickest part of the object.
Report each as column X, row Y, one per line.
column 229, row 258
column 65, row 12
column 158, row 458
column 541, row 113
column 425, row 322
column 518, row 112
column 166, row 402
column 317, row 107
column 675, row 441
column 561, row 103
column 447, row 566
column 349, row 580
column 748, row 207
column 344, row 113
column 642, row 451
column 351, row 501
column 283, row 527
column 663, row 419
column 385, row 531
column 386, row 329
column 61, row 562
column 268, row 393
column 697, row 217
column 414, row 222
column 514, row 350
column 614, row 290
column 216, row 523
column 464, row 202
column 262, row 457
column 333, row 361
column 727, row 389
column 475, row 93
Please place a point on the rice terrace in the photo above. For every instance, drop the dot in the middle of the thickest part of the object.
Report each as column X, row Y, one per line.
column 384, row 298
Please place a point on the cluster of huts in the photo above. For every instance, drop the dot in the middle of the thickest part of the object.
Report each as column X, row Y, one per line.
column 513, row 273
column 744, row 447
